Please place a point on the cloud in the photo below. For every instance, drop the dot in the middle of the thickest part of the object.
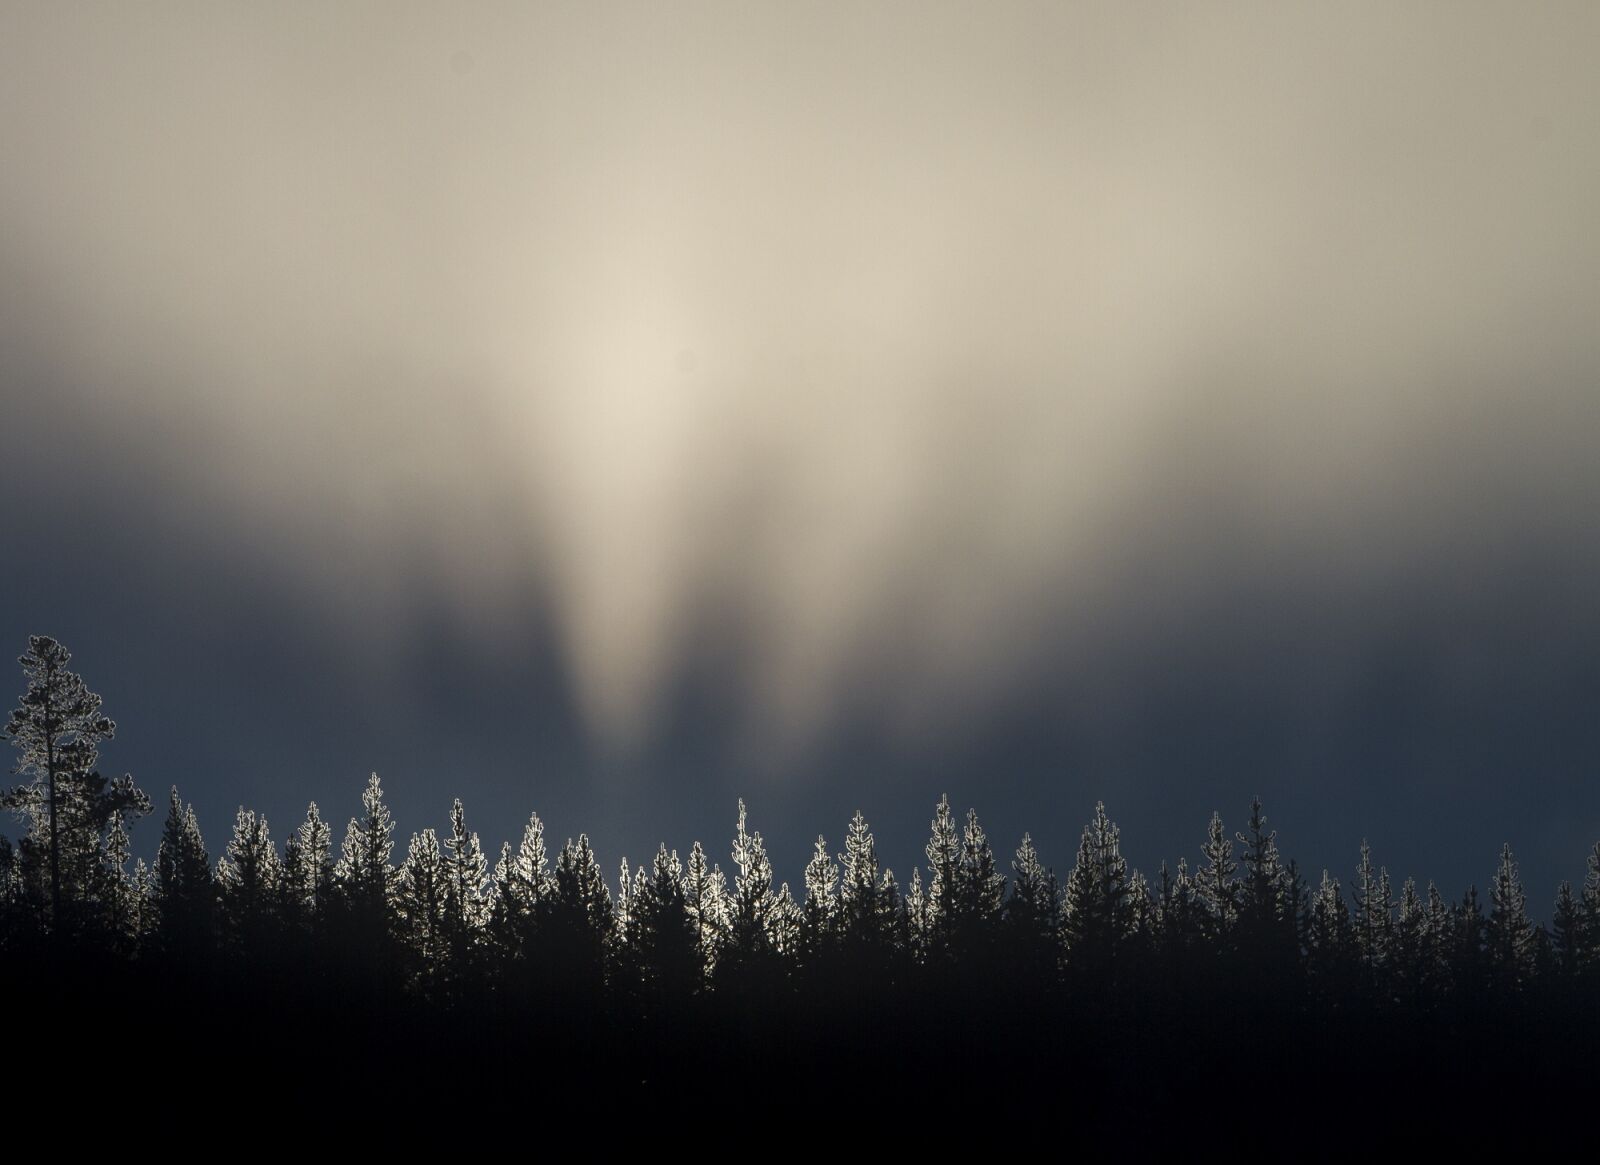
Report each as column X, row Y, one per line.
column 881, row 358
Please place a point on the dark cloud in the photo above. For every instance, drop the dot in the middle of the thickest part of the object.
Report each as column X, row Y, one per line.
column 612, row 415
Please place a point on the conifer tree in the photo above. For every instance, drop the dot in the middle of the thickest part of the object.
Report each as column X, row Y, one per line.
column 944, row 856
column 1095, row 903
column 785, row 927
column 1179, row 916
column 364, row 874
column 185, row 892
column 579, row 922
column 622, row 915
column 1567, row 934
column 67, row 805
column 1330, row 944
column 750, row 948
column 919, row 917
column 1589, row 906
column 706, row 891
column 1033, row 916
column 979, row 892
column 467, row 899
column 1409, row 962
column 422, row 900
column 867, row 908
column 1509, row 935
column 120, row 899
column 1373, row 917
column 1215, row 885
column 820, row 910
column 1465, row 953
column 1267, row 935
column 307, row 872
column 248, row 879
column 522, row 880
column 858, row 879
column 664, row 935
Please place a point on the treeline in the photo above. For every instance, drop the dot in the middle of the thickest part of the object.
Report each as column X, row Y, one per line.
column 541, row 930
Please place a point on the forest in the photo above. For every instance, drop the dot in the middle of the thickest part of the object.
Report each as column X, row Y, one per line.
column 431, row 962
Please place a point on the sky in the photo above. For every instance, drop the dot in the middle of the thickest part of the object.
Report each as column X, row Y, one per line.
column 612, row 410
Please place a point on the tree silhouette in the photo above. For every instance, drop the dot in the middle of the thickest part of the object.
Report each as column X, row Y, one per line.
column 67, row 805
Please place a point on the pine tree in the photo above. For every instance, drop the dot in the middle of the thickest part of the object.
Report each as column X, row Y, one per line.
column 1567, row 934
column 1095, row 904
column 663, row 934
column 750, row 949
column 466, row 895
column 364, row 875
column 1179, row 914
column 67, row 805
column 421, row 897
column 248, row 879
column 185, row 891
column 1464, row 951
column 944, row 856
column 706, row 890
column 858, row 879
column 1589, row 956
column 785, row 926
column 307, row 885
column 1330, row 944
column 523, row 882
column 1373, row 917
column 979, row 893
column 1033, row 916
column 579, row 922
column 867, row 909
column 1216, row 888
column 1267, row 937
column 120, row 900
column 1436, row 937
column 819, row 912
column 1409, row 947
column 1509, row 936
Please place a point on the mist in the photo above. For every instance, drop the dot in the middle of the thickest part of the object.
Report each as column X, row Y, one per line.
column 872, row 364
